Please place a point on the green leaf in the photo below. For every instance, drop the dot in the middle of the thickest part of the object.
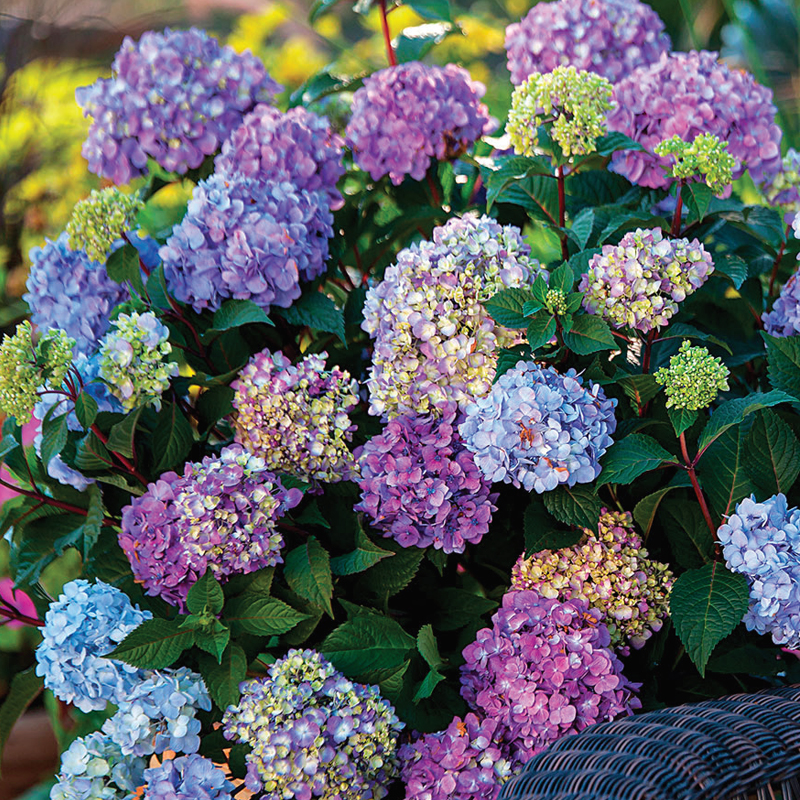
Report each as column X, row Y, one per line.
column 85, row 409
column 574, row 505
column 509, row 357
column 432, row 9
column 235, row 313
column 123, row 266
column 34, row 544
column 392, row 575
column 157, row 290
column 682, row 419
column 706, row 604
column 772, row 454
column 25, row 686
column 308, row 572
column 611, row 142
column 783, row 362
column 367, row 554
column 318, row 311
column 589, row 334
column 541, row 329
column 645, row 510
column 562, row 278
column 323, row 83
column 213, row 640
column 389, row 681
column 732, row 267
column 205, row 595
column 155, row 644
column 428, row 684
column 54, row 437
column 413, row 43
column 120, row 437
column 223, row 679
column 679, row 330
column 174, row 436
column 697, row 197
column 541, row 534
column 507, row 307
column 264, row 616
column 214, row 404
column 640, row 388
column 94, row 519
column 687, row 532
column 512, row 170
column 428, row 649
column 582, row 227
column 454, row 608
column 91, row 453
column 722, row 471
column 631, row 457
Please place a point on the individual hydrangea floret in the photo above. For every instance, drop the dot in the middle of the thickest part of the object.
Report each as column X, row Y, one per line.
column 187, row 778
column 693, row 379
column 132, row 360
column 544, row 670
column 609, row 37
column 220, row 515
column 434, row 340
column 173, row 97
column 94, row 768
column 639, row 282
column 574, row 103
column 782, row 187
column 406, row 116
column 420, row 485
column 86, row 623
column 784, row 319
column 705, row 155
column 686, row 94
column 101, row 220
column 296, row 416
column 539, row 429
column 314, row 733
column 612, row 571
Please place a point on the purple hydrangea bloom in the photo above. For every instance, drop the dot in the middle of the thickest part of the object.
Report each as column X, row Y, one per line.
column 246, row 239
column 609, row 37
column 762, row 541
column 219, row 516
column 420, row 485
column 173, row 97
column 406, row 116
column 187, row 778
column 83, row 625
column 538, row 428
column 686, row 94
column 544, row 670
column 784, row 319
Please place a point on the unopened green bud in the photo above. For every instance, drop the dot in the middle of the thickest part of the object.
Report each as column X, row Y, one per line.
column 102, row 219
column 706, row 155
column 555, row 301
column 693, row 379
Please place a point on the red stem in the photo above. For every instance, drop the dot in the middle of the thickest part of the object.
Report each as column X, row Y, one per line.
column 777, row 263
column 387, row 37
column 648, row 346
column 562, row 211
column 676, row 218
column 12, row 613
column 698, row 492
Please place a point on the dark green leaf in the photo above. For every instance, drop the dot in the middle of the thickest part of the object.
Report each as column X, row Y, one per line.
column 214, row 404
column 413, row 43
column 155, row 644
column 85, row 409
column 264, row 616
column 541, row 329
column 431, row 9
column 54, row 437
column 318, row 311
column 25, row 686
column 783, row 362
column 640, row 388
column 645, row 510
column 121, row 435
column 455, row 608
column 574, row 505
column 94, row 519
column 235, row 313
column 91, row 453
column 562, row 278
column 722, row 471
column 682, row 419
column 772, row 454
column 157, row 289
column 322, row 84
column 511, row 171
column 205, row 595
column 174, row 437
column 392, row 575
column 367, row 642
column 582, row 226
column 223, row 679
column 589, row 334
column 366, row 554
column 213, row 640
column 389, row 681
column 680, row 330
column 733, row 267
column 311, row 515
column 507, row 307
column 308, row 572
column 123, row 265
column 428, row 684
column 631, row 457
column 509, row 357
column 428, row 649
column 542, row 534
column 687, row 532
column 611, row 142
column 697, row 197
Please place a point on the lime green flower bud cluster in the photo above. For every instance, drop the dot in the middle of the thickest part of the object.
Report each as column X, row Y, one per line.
column 706, row 155
column 101, row 220
column 574, row 101
column 693, row 379
column 555, row 301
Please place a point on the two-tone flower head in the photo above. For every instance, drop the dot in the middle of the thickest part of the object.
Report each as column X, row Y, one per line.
column 85, row 624
column 220, row 515
column 545, row 669
column 685, row 95
column 173, row 97
column 190, row 777
column 538, row 428
column 762, row 542
column 705, row 156
column 693, row 379
column 639, row 282
column 784, row 318
column 406, row 116
column 314, row 733
column 421, row 486
column 612, row 571
column 296, row 416
column 99, row 221
column 574, row 102
column 609, row 37
column 782, row 188
column 434, row 340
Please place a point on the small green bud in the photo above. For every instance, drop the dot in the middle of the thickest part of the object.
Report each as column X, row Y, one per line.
column 555, row 301
column 693, row 379
column 706, row 155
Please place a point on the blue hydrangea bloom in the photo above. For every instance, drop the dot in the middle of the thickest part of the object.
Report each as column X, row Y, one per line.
column 84, row 624
column 186, row 778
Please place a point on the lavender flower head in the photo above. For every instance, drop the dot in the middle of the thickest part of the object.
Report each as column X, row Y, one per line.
column 314, row 733
column 544, row 670
column 173, row 97
column 782, row 188
column 296, row 416
column 406, row 116
column 187, row 778
column 539, row 429
column 420, row 485
column 434, row 340
column 639, row 282
column 609, row 37
column 83, row 625
column 219, row 516
column 784, row 319
column 762, row 542
column 686, row 94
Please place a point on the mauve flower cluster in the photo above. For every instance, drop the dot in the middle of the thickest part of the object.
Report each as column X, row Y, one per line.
column 405, row 116
column 609, row 37
column 538, row 428
column 784, row 319
column 187, row 778
column 219, row 516
column 639, row 282
column 296, row 416
column 420, row 485
column 762, row 541
column 434, row 340
column 612, row 571
column 686, row 94
column 544, row 670
column 468, row 761
column 174, row 97
column 314, row 733
column 83, row 625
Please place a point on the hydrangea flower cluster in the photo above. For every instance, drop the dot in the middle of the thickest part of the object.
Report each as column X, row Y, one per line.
column 101, row 220
column 784, row 319
column 693, row 379
column 420, row 485
column 639, row 282
column 94, row 767
column 187, row 778
column 762, row 541
column 782, row 188
column 174, row 97
column 314, row 732
column 468, row 761
column 612, row 571
column 538, row 429
column 434, row 340
column 686, row 94
column 219, row 516
column 83, row 625
column 609, row 37
column 576, row 103
column 544, row 670
column 405, row 116
column 296, row 416
column 132, row 360
column 706, row 155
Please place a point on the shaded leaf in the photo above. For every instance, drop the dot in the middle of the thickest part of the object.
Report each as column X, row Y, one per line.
column 308, row 572
column 365, row 555
column 223, row 679
column 318, row 311
column 155, row 644
column 263, row 616
column 631, row 457
column 205, row 594
column 25, row 686
column 574, row 505
column 589, row 334
column 771, row 454
column 235, row 313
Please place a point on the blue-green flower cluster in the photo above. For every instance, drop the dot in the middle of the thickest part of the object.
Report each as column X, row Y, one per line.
column 693, row 379
column 101, row 220
column 705, row 155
